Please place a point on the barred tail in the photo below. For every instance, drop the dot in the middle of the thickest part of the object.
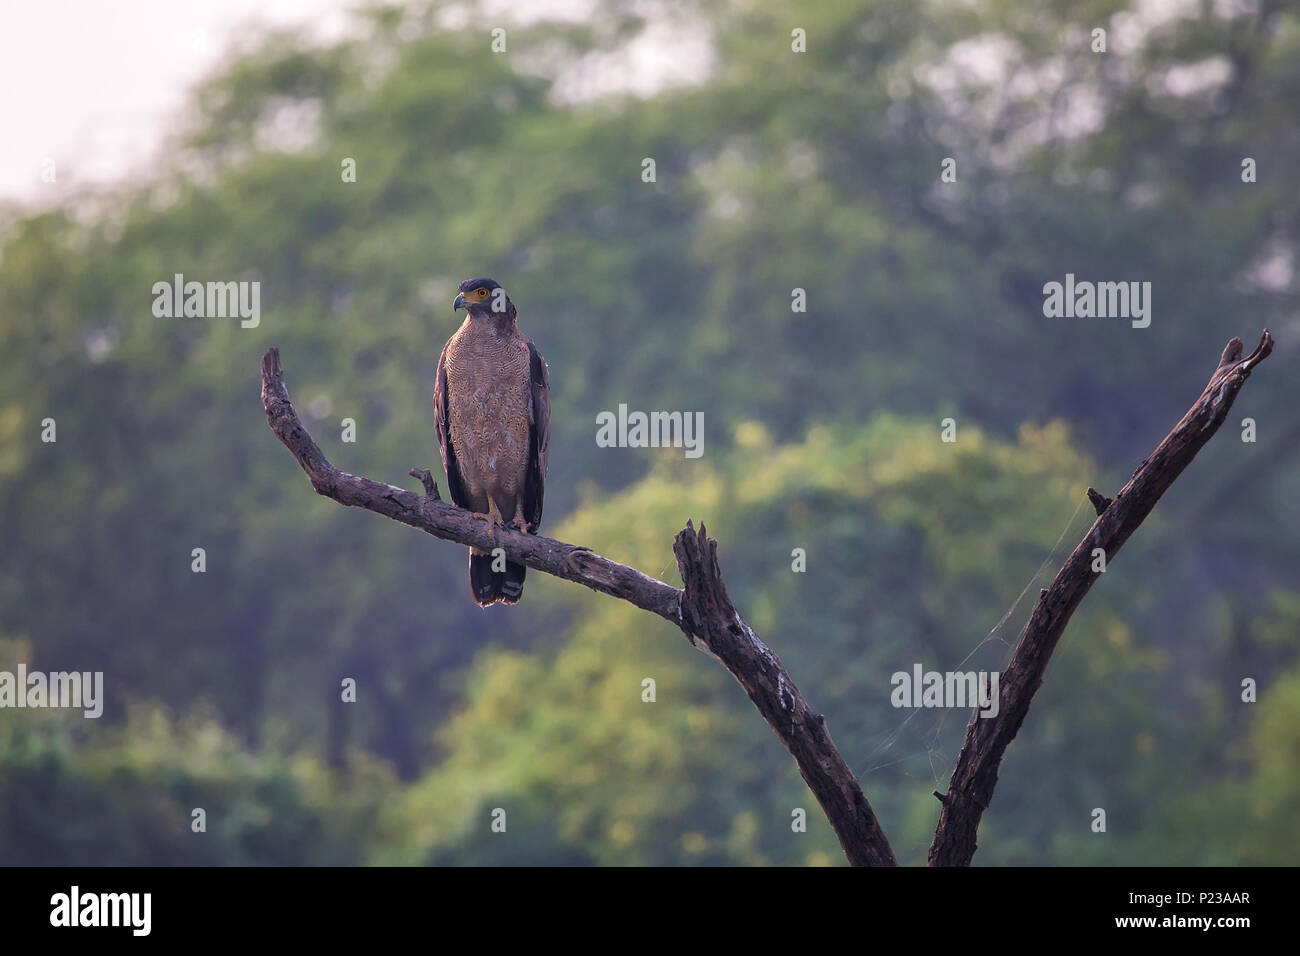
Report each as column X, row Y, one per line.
column 512, row 583
column 484, row 583
column 491, row 587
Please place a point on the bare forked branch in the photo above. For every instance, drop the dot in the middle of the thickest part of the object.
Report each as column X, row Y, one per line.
column 705, row 613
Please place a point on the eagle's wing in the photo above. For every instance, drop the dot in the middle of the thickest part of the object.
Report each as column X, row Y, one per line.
column 539, row 437
column 442, row 425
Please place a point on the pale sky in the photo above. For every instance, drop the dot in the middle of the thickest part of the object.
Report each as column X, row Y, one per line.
column 92, row 84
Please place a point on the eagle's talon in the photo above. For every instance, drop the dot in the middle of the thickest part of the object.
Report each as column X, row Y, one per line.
column 493, row 519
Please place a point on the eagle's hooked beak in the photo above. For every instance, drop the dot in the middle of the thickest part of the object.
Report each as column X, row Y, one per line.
column 459, row 302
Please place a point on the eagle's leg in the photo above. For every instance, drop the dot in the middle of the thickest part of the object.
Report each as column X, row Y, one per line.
column 520, row 523
column 493, row 517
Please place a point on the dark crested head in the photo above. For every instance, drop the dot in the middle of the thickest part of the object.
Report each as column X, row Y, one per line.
column 483, row 297
column 471, row 285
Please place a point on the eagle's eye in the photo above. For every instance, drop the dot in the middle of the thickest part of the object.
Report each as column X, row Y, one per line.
column 482, row 293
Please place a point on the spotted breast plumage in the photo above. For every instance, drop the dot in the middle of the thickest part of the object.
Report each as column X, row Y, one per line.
column 492, row 409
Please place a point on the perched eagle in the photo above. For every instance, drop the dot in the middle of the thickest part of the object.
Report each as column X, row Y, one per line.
column 492, row 406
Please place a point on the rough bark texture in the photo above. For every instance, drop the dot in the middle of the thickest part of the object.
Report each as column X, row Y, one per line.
column 971, row 788
column 702, row 609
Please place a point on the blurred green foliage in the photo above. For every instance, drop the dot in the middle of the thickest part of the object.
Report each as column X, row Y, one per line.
column 774, row 171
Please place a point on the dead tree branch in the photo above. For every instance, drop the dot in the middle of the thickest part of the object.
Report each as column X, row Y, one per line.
column 701, row 609
column 705, row 613
column 971, row 788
